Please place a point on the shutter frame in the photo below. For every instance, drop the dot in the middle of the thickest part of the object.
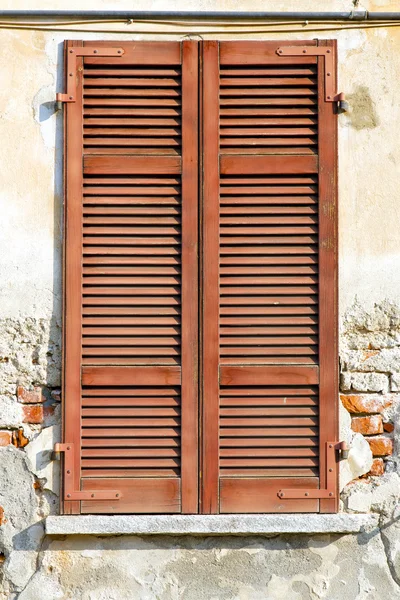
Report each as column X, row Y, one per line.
column 72, row 317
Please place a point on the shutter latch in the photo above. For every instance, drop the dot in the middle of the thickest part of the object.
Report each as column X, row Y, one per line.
column 71, row 72
column 69, row 492
column 331, row 470
column 330, row 93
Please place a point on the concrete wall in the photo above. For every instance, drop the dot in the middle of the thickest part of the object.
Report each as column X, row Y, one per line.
column 292, row 567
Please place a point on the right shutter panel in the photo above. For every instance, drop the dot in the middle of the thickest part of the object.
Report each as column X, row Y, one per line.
column 275, row 407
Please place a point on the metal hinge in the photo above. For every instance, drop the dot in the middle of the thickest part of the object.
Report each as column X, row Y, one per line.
column 69, row 492
column 330, row 490
column 330, row 93
column 72, row 53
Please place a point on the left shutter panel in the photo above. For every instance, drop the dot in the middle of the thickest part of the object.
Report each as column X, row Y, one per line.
column 130, row 317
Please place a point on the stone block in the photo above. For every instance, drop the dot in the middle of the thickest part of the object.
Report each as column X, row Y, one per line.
column 381, row 445
column 385, row 360
column 30, row 350
column 359, row 502
column 395, row 382
column 39, row 453
column 34, row 396
column 370, row 425
column 5, row 438
column 365, row 382
column 240, row 524
column 378, row 467
column 33, row 413
column 359, row 461
column 10, row 412
column 366, row 403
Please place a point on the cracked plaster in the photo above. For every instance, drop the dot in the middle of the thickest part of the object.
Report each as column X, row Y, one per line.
column 354, row 567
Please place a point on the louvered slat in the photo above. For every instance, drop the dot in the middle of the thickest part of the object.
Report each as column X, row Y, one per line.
column 112, row 228
column 136, row 89
column 271, row 428
column 128, row 411
column 281, row 240
column 246, row 129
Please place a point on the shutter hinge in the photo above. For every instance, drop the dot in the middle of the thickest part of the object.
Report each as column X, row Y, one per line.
column 330, row 93
column 69, row 492
column 70, row 66
column 331, row 484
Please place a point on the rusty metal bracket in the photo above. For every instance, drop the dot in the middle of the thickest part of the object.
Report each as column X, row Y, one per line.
column 330, row 490
column 330, row 93
column 72, row 54
column 69, row 492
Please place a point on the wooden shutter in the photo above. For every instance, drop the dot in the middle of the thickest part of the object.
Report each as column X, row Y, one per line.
column 131, row 307
column 131, row 277
column 269, row 311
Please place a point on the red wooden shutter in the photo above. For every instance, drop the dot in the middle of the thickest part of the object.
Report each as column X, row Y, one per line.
column 131, row 308
column 269, row 312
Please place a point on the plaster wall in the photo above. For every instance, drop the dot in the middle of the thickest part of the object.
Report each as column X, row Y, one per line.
column 292, row 567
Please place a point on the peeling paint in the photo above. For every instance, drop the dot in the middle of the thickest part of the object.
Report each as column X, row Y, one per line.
column 362, row 113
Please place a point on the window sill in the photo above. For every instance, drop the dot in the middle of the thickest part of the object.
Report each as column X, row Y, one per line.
column 208, row 524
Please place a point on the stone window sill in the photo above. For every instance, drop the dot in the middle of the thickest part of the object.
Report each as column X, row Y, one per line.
column 209, row 524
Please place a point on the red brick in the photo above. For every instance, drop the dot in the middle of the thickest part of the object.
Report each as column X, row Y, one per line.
column 2, row 517
column 34, row 396
column 5, row 438
column 378, row 467
column 366, row 403
column 33, row 413
column 380, row 445
column 367, row 425
column 389, row 427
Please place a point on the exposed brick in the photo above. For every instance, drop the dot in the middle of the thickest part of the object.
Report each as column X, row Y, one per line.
column 33, row 413
column 370, row 425
column 19, row 440
column 366, row 403
column 48, row 411
column 380, row 445
column 34, row 396
column 2, row 517
column 377, row 468
column 389, row 427
column 5, row 438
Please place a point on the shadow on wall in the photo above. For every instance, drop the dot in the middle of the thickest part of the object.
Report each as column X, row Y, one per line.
column 46, row 111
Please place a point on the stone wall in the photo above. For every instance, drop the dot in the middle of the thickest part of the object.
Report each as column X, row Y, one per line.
column 166, row 567
column 370, row 375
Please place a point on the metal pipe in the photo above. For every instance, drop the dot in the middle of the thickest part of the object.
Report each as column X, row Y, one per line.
column 356, row 15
